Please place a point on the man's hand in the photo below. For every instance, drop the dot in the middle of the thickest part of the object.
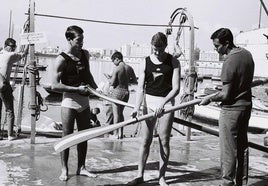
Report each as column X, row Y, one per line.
column 83, row 90
column 205, row 101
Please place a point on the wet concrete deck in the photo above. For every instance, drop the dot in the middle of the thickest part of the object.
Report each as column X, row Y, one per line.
column 192, row 163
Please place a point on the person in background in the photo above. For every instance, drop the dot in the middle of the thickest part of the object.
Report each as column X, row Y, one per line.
column 93, row 117
column 132, row 78
column 108, row 105
column 8, row 57
column 71, row 76
column 236, row 104
column 160, row 80
column 119, row 90
column 266, row 91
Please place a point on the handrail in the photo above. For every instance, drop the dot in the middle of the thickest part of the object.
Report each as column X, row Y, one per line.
column 215, row 133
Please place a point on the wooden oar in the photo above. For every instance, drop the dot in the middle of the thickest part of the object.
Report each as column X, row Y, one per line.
column 88, row 134
column 259, row 82
column 96, row 93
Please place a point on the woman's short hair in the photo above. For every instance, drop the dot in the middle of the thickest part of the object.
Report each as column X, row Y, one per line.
column 159, row 40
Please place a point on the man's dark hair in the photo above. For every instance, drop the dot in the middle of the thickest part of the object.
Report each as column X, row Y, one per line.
column 223, row 34
column 72, row 31
column 10, row 42
column 159, row 40
column 117, row 55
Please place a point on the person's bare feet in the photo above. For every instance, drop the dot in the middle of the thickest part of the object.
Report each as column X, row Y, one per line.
column 11, row 138
column 64, row 175
column 85, row 172
column 162, row 182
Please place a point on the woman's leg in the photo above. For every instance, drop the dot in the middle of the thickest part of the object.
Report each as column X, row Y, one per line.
column 147, row 137
column 165, row 126
column 67, row 118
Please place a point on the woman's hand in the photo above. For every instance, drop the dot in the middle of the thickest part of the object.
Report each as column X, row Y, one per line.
column 159, row 110
column 134, row 113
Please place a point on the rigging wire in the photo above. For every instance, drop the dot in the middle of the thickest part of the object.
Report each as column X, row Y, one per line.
column 108, row 22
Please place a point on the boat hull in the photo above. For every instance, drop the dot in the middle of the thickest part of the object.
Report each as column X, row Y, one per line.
column 257, row 120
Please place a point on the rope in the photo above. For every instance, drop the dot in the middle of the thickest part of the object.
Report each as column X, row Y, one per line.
column 182, row 20
column 39, row 104
column 39, row 100
column 188, row 95
column 105, row 22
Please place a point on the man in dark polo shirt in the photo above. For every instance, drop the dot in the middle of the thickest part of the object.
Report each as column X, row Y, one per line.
column 236, row 76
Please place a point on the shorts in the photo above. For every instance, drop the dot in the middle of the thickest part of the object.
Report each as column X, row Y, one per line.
column 75, row 101
column 120, row 94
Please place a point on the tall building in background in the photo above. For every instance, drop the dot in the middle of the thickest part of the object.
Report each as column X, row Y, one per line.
column 209, row 56
column 136, row 50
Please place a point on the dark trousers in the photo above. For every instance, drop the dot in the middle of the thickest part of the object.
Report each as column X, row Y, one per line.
column 7, row 98
column 233, row 125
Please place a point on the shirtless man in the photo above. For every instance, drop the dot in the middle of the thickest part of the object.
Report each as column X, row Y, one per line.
column 119, row 90
column 71, row 76
column 8, row 56
column 132, row 80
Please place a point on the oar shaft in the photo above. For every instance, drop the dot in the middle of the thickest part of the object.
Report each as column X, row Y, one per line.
column 96, row 93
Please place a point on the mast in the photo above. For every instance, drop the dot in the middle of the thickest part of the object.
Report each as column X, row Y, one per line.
column 10, row 34
column 191, row 66
column 264, row 7
column 259, row 25
column 31, row 65
column 191, row 77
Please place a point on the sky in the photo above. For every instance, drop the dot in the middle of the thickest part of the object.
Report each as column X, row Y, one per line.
column 208, row 15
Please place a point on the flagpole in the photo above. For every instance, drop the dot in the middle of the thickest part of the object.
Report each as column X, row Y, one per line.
column 31, row 65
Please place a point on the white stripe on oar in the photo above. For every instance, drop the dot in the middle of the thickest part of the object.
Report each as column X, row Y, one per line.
column 88, row 134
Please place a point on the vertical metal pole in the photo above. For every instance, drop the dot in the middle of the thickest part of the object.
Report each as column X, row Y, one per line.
column 191, row 64
column 10, row 25
column 31, row 63
column 264, row 7
column 259, row 26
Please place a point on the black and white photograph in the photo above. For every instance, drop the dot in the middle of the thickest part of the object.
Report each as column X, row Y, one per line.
column 141, row 93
